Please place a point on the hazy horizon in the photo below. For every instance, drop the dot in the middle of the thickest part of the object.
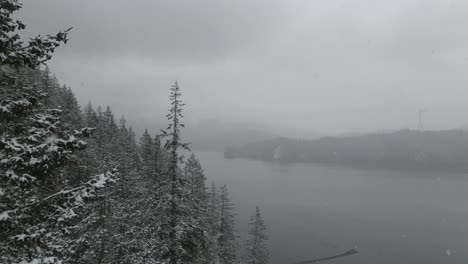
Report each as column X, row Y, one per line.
column 331, row 67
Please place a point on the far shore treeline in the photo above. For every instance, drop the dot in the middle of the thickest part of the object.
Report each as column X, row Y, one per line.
column 402, row 150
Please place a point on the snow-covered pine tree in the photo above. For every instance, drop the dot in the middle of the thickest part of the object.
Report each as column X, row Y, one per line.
column 135, row 159
column 17, row 54
column 37, row 205
column 202, row 209
column 89, row 115
column 89, row 160
column 214, row 221
column 108, row 235
column 227, row 239
column 256, row 248
column 178, row 223
column 49, row 85
column 71, row 112
column 98, row 135
column 109, row 121
column 213, row 204
column 158, row 157
column 127, row 148
column 123, row 199
column 196, row 178
column 113, row 229
column 147, row 154
column 70, row 119
column 108, row 129
column 173, row 191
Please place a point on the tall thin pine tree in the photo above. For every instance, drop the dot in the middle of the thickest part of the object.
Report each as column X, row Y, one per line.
column 227, row 240
column 256, row 246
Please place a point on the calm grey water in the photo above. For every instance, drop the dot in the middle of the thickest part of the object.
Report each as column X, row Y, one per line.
column 313, row 211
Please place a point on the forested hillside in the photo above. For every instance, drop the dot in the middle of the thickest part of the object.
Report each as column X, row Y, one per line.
column 405, row 149
column 78, row 186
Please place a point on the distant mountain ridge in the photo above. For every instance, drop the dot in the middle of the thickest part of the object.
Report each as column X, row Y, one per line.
column 404, row 149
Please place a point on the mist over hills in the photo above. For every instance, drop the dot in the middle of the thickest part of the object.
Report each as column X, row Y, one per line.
column 215, row 134
column 404, row 149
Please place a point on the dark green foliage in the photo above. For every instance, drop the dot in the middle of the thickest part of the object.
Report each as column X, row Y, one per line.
column 256, row 248
column 13, row 51
column 147, row 154
column 181, row 234
column 227, row 239
column 196, row 178
column 158, row 211
column 39, row 204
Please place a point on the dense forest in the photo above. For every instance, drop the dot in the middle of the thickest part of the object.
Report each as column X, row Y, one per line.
column 77, row 186
column 233, row 132
column 405, row 149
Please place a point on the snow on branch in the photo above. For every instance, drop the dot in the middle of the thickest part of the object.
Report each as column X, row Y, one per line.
column 76, row 194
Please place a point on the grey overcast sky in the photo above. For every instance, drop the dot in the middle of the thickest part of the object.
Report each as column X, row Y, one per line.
column 322, row 65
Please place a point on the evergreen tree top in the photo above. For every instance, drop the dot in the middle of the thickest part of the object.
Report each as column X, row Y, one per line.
column 13, row 51
column 174, row 116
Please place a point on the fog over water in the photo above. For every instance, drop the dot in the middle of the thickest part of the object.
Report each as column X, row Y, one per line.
column 313, row 211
